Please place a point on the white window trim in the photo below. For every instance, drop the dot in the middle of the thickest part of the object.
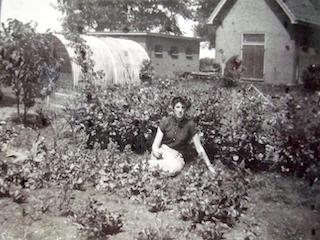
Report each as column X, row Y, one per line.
column 158, row 54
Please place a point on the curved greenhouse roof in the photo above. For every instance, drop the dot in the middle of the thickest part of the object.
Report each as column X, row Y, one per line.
column 119, row 59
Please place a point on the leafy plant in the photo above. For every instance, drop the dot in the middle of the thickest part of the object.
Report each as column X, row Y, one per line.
column 124, row 16
column 27, row 63
column 296, row 137
column 311, row 77
column 146, row 72
column 163, row 233
column 211, row 231
column 97, row 222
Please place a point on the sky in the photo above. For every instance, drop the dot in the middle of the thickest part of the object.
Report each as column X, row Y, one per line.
column 42, row 12
column 39, row 11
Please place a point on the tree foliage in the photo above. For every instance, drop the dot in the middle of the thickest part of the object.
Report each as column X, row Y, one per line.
column 124, row 15
column 203, row 11
column 27, row 62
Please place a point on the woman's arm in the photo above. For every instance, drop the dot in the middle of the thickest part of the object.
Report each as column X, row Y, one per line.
column 202, row 153
column 156, row 143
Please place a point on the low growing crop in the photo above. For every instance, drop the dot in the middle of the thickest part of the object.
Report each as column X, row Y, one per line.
column 97, row 222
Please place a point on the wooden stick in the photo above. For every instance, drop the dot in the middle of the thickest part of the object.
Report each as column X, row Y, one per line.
column 263, row 96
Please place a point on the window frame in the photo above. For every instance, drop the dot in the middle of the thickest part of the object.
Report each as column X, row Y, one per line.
column 189, row 53
column 174, row 52
column 158, row 51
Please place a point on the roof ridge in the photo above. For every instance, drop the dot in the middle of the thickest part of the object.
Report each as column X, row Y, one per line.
column 303, row 11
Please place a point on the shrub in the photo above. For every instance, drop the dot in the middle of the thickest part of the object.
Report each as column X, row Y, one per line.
column 146, row 72
column 311, row 77
column 97, row 222
column 27, row 63
column 162, row 233
column 297, row 137
column 211, row 231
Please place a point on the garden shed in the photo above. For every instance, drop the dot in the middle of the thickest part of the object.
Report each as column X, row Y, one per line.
column 120, row 60
column 277, row 39
column 168, row 53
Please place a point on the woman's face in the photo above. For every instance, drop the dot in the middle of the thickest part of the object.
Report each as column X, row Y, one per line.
column 179, row 110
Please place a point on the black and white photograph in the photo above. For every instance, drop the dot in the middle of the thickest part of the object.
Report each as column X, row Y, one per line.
column 160, row 120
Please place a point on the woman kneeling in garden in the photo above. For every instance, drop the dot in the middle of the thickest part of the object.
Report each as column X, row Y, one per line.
column 233, row 71
column 172, row 140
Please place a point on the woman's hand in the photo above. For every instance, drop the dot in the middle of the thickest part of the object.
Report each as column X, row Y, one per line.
column 202, row 154
column 156, row 144
column 157, row 154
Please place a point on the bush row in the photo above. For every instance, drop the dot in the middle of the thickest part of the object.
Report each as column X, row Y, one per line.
column 238, row 125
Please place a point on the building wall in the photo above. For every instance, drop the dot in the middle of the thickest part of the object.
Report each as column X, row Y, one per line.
column 167, row 63
column 252, row 16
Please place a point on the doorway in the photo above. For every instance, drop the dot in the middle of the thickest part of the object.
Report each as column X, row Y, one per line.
column 253, row 48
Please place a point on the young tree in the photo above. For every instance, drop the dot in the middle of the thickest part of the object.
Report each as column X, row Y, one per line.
column 124, row 15
column 27, row 62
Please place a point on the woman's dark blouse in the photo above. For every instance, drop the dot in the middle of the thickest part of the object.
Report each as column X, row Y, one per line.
column 177, row 134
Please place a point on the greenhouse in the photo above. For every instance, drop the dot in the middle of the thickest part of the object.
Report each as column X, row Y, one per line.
column 119, row 59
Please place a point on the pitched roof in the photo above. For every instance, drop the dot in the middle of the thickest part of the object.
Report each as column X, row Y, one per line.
column 302, row 11
column 298, row 11
column 218, row 9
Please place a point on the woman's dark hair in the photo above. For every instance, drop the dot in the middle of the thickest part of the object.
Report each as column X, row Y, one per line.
column 185, row 102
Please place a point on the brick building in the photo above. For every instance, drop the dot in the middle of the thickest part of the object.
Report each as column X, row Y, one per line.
column 277, row 39
column 167, row 53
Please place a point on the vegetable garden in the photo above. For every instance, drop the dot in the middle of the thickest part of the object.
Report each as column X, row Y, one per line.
column 99, row 144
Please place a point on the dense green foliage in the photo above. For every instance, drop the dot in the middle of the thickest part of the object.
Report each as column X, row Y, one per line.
column 120, row 15
column 204, row 8
column 239, row 130
column 72, row 166
column 311, row 77
column 124, row 16
column 97, row 222
column 297, row 138
column 27, row 62
column 238, row 125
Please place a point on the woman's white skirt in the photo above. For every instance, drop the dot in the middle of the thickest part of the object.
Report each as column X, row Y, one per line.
column 171, row 161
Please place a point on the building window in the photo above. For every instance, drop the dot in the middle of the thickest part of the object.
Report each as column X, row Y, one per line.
column 174, row 52
column 158, row 51
column 255, row 39
column 189, row 53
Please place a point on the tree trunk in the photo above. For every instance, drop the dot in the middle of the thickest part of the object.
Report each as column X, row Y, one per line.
column 18, row 104
column 25, row 115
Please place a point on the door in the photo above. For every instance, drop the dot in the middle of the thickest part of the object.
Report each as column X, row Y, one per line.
column 253, row 47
